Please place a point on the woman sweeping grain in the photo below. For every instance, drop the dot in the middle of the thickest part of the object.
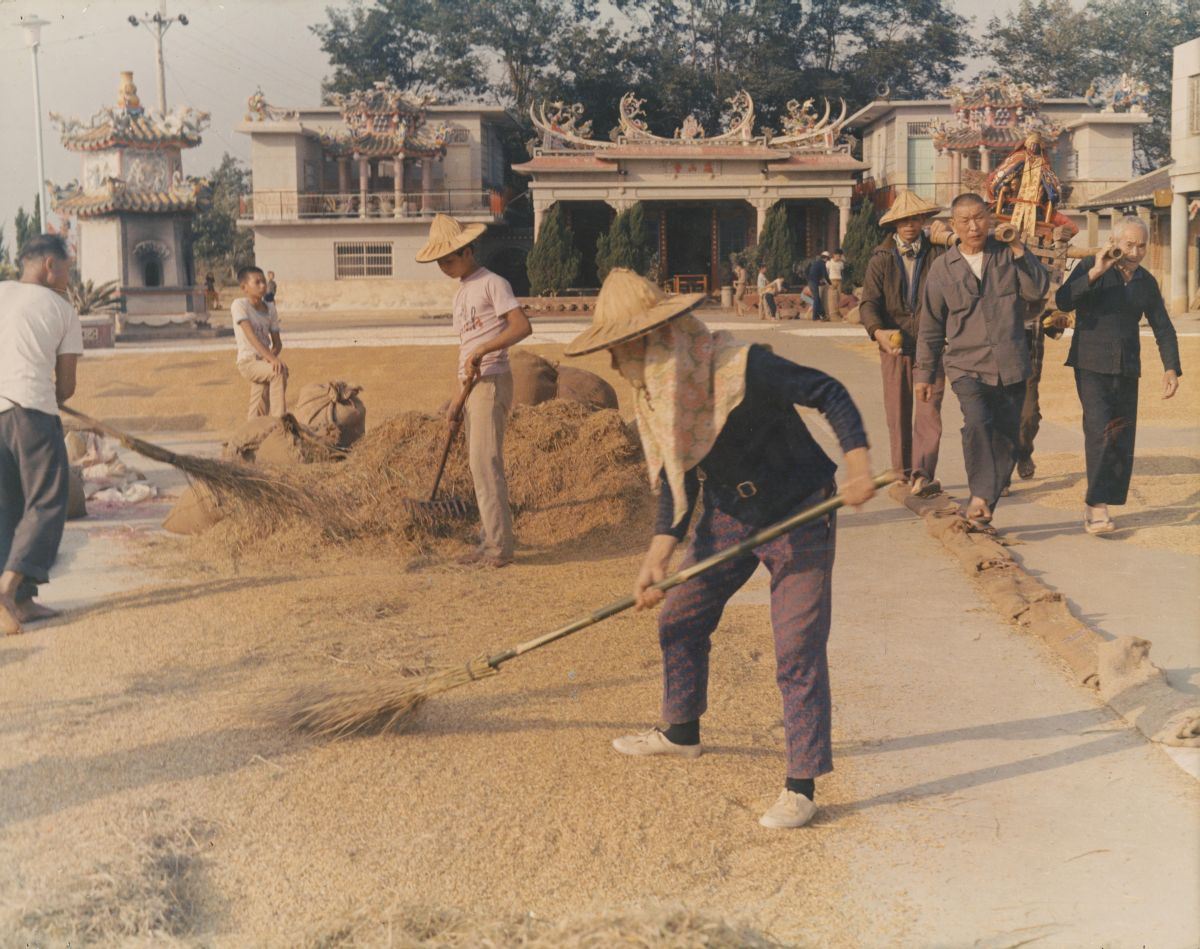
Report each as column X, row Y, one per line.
column 719, row 416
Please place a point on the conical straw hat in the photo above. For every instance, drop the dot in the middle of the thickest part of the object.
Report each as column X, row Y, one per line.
column 446, row 236
column 909, row 204
column 629, row 306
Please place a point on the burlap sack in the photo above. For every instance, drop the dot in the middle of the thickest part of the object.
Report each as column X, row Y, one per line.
column 586, row 388
column 534, row 379
column 76, row 501
column 333, row 410
column 281, row 448
column 195, row 512
column 243, row 444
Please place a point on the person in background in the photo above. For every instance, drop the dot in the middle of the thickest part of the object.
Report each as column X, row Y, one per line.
column 890, row 310
column 269, row 296
column 718, row 417
column 41, row 341
column 765, row 311
column 818, row 274
column 256, row 328
column 836, row 267
column 1110, row 297
column 973, row 314
column 740, row 281
column 488, row 320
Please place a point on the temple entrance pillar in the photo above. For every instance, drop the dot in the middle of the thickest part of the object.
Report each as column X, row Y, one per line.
column 1179, row 254
column 398, row 185
column 427, row 187
column 761, row 207
column 364, row 178
column 843, row 206
column 985, row 159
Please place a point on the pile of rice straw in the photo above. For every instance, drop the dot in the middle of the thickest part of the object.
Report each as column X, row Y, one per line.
column 572, row 473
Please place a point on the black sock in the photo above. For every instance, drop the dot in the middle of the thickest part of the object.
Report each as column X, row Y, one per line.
column 805, row 786
column 685, row 733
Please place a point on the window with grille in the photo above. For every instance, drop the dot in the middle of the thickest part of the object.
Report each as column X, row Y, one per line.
column 356, row 259
column 1194, row 105
column 918, row 128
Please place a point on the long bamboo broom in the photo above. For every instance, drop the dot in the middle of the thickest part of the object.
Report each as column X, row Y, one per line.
column 228, row 479
column 383, row 706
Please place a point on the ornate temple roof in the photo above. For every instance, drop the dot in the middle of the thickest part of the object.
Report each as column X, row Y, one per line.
column 996, row 113
column 184, row 194
column 127, row 124
column 380, row 122
column 562, row 130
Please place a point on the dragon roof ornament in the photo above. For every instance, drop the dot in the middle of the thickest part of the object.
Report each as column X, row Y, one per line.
column 127, row 124
column 562, row 126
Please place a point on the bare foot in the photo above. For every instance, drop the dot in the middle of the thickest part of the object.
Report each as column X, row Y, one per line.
column 30, row 611
column 10, row 623
column 978, row 510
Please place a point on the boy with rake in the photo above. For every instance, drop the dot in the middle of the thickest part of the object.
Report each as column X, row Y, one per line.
column 256, row 326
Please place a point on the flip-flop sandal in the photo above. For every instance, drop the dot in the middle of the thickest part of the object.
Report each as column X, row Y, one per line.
column 979, row 526
column 928, row 489
column 1105, row 526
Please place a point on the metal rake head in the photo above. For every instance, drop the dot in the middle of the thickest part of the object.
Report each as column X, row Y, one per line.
column 440, row 509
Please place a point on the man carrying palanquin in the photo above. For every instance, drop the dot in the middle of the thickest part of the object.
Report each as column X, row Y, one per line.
column 1025, row 188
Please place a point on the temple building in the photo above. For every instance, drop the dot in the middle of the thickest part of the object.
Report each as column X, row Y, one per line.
column 134, row 206
column 942, row 147
column 705, row 196
column 343, row 194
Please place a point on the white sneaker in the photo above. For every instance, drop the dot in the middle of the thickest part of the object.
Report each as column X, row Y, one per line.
column 654, row 742
column 791, row 810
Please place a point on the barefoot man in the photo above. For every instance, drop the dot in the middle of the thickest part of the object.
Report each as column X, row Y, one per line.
column 40, row 342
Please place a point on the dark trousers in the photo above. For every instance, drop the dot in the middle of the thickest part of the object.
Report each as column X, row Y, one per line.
column 1031, row 411
column 818, row 305
column 991, row 419
column 801, row 566
column 1110, row 404
column 33, row 494
column 769, row 303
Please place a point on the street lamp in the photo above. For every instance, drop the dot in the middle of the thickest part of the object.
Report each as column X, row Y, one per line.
column 32, row 27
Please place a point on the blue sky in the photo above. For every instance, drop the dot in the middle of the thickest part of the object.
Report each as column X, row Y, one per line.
column 227, row 50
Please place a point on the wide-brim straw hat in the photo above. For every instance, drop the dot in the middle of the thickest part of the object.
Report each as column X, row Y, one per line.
column 446, row 235
column 909, row 204
column 629, row 306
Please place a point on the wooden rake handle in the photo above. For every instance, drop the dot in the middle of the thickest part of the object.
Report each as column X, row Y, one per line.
column 455, row 425
column 765, row 535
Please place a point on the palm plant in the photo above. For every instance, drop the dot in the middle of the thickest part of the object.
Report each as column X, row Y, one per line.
column 87, row 297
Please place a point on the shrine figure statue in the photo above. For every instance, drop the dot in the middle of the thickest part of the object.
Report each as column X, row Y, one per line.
column 1025, row 188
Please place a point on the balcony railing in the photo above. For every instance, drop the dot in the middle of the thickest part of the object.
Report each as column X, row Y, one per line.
column 296, row 205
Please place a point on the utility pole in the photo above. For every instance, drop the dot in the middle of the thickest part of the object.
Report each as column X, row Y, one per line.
column 33, row 38
column 158, row 24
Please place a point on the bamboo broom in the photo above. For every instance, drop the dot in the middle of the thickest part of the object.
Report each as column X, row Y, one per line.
column 391, row 704
column 228, row 479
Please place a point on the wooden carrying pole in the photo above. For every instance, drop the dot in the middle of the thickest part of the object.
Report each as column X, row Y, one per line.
column 731, row 553
column 1007, row 234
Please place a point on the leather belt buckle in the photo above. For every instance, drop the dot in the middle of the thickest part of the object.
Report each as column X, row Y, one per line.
column 747, row 489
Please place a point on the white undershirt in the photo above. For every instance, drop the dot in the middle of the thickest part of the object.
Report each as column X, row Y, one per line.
column 975, row 262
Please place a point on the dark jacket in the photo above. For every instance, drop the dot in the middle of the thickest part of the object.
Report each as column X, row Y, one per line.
column 766, row 448
column 979, row 324
column 1106, row 337
column 888, row 302
column 817, row 271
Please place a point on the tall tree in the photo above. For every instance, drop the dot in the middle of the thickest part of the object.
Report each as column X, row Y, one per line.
column 863, row 235
column 7, row 270
column 1047, row 43
column 777, row 246
column 553, row 263
column 28, row 224
column 217, row 241
column 626, row 244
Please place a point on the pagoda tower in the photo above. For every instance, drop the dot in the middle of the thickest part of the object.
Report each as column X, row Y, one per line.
column 134, row 206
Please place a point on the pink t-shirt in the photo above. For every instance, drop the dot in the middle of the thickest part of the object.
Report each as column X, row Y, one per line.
column 480, row 303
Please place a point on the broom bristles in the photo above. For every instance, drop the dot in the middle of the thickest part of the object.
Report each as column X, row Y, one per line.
column 375, row 707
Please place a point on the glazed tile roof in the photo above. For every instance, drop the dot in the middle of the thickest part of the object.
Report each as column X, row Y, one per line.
column 379, row 144
column 1138, row 191
column 993, row 136
column 115, row 197
column 120, row 127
